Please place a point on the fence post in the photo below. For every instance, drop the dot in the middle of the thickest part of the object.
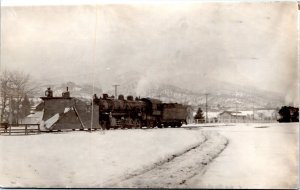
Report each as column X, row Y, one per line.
column 9, row 129
column 39, row 130
column 26, row 129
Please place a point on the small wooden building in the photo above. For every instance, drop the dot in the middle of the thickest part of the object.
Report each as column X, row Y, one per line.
column 232, row 117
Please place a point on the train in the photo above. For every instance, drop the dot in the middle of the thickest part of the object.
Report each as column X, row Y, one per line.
column 107, row 112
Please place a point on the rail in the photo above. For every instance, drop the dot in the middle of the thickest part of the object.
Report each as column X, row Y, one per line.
column 26, row 129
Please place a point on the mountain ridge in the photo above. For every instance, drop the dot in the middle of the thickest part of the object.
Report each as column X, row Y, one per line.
column 221, row 95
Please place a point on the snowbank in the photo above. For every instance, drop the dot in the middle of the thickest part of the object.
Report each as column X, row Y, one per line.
column 84, row 159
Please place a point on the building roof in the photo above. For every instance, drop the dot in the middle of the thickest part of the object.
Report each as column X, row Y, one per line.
column 33, row 118
column 212, row 114
column 234, row 113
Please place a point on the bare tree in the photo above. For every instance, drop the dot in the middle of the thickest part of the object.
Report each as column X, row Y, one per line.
column 16, row 86
column 4, row 85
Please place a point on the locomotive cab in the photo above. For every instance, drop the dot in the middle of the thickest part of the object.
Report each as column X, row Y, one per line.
column 153, row 112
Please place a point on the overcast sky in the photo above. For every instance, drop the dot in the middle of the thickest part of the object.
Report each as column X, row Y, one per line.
column 250, row 44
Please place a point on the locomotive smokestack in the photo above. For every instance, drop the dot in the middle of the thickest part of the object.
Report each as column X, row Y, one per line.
column 116, row 87
column 66, row 94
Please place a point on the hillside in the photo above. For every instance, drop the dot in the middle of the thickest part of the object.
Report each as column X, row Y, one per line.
column 220, row 95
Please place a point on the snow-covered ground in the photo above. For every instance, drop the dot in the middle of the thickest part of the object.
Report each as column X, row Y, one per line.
column 84, row 159
column 257, row 156
column 177, row 171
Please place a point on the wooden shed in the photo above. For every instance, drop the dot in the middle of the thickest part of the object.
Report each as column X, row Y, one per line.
column 232, row 117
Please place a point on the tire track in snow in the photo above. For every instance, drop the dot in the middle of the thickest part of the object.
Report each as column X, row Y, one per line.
column 176, row 171
column 113, row 183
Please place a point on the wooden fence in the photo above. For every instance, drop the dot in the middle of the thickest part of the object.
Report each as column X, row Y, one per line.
column 19, row 129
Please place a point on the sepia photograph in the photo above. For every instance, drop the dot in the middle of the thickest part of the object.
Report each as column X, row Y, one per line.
column 149, row 94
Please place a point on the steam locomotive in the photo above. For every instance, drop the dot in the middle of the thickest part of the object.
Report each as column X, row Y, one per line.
column 139, row 112
column 108, row 112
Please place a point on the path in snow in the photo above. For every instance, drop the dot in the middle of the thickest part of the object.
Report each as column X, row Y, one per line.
column 176, row 171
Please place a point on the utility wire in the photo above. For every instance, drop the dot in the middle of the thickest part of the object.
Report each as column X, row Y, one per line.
column 94, row 65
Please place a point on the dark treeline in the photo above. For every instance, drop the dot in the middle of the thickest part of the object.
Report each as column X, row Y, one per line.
column 288, row 114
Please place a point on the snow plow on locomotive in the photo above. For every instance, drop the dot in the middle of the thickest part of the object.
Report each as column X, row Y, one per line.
column 108, row 112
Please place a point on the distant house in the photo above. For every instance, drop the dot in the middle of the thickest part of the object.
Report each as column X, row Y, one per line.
column 257, row 116
column 233, row 117
column 213, row 117
column 268, row 115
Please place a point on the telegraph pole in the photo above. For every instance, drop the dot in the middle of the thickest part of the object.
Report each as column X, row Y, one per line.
column 236, row 107
column 94, row 62
column 236, row 111
column 252, row 110
column 206, row 116
column 116, row 88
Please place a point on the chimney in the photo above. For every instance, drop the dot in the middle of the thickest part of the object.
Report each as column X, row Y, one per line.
column 66, row 94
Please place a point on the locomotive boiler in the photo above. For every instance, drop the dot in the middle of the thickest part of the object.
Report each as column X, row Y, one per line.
column 119, row 113
column 138, row 112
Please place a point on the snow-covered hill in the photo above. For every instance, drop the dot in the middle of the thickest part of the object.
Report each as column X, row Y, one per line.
column 221, row 95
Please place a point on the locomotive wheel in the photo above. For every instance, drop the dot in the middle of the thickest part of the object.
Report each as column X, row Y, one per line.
column 150, row 124
column 137, row 124
column 103, row 125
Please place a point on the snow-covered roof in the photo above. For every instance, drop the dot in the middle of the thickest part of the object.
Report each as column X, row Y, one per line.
column 38, row 114
column 247, row 112
column 239, row 114
column 212, row 114
column 209, row 114
column 234, row 113
column 33, row 118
